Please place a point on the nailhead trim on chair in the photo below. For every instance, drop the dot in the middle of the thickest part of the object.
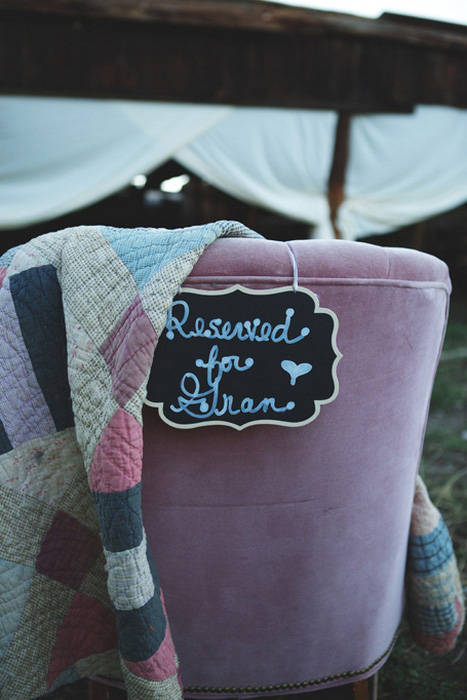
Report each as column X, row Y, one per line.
column 290, row 686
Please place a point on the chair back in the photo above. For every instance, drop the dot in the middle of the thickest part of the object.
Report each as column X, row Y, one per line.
column 282, row 549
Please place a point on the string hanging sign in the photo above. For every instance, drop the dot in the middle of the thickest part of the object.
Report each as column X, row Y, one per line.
column 240, row 357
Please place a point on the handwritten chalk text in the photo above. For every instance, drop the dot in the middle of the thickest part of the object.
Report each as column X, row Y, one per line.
column 218, row 329
column 199, row 403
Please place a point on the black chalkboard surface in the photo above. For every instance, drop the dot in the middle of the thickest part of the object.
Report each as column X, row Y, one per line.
column 240, row 357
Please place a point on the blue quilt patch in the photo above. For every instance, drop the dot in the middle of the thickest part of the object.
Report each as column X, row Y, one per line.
column 37, row 298
column 146, row 251
column 432, row 620
column 429, row 553
column 141, row 631
column 120, row 518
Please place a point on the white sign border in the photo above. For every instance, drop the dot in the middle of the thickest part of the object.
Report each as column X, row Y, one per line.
column 263, row 292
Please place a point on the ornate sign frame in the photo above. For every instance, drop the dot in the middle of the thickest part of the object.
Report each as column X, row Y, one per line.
column 284, row 328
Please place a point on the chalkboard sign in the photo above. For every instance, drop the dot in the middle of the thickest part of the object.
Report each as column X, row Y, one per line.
column 240, row 357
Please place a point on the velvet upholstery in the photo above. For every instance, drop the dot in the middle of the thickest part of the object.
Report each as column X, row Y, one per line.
column 282, row 550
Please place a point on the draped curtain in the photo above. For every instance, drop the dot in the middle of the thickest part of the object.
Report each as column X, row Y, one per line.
column 62, row 154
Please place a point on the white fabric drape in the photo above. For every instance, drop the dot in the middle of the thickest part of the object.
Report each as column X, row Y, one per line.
column 403, row 169
column 58, row 155
column 277, row 158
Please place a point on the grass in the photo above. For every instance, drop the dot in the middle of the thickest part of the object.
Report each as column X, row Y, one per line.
column 410, row 673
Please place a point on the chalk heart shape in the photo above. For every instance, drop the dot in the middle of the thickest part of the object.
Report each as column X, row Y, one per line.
column 295, row 370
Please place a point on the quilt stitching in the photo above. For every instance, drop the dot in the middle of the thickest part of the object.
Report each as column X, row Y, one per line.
column 436, row 608
column 84, row 308
column 44, row 467
column 23, row 412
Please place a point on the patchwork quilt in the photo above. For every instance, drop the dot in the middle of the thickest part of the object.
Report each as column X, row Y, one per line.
column 81, row 313
column 435, row 600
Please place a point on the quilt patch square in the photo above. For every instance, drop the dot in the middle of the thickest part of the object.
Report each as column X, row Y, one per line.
column 120, row 518
column 21, row 537
column 142, row 631
column 163, row 664
column 15, row 581
column 130, row 579
column 99, row 635
column 144, row 689
column 93, row 401
column 128, row 351
column 146, row 251
column 24, row 667
column 430, row 552
column 94, row 583
column 68, row 551
column 38, row 302
column 77, row 501
column 117, row 463
column 91, row 270
column 44, row 467
column 23, row 409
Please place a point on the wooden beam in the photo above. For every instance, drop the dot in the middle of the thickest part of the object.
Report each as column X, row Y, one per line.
column 241, row 53
column 251, row 15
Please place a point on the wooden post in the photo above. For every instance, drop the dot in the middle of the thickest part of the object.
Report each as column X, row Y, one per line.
column 336, row 183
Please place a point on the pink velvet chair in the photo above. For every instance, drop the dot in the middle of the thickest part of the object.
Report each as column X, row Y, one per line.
column 282, row 550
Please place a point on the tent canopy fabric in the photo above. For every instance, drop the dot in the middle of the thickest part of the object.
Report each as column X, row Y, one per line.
column 62, row 154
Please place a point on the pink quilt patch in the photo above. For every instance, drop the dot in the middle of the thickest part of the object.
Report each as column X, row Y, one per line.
column 160, row 665
column 117, row 460
column 128, row 351
column 68, row 551
column 88, row 628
